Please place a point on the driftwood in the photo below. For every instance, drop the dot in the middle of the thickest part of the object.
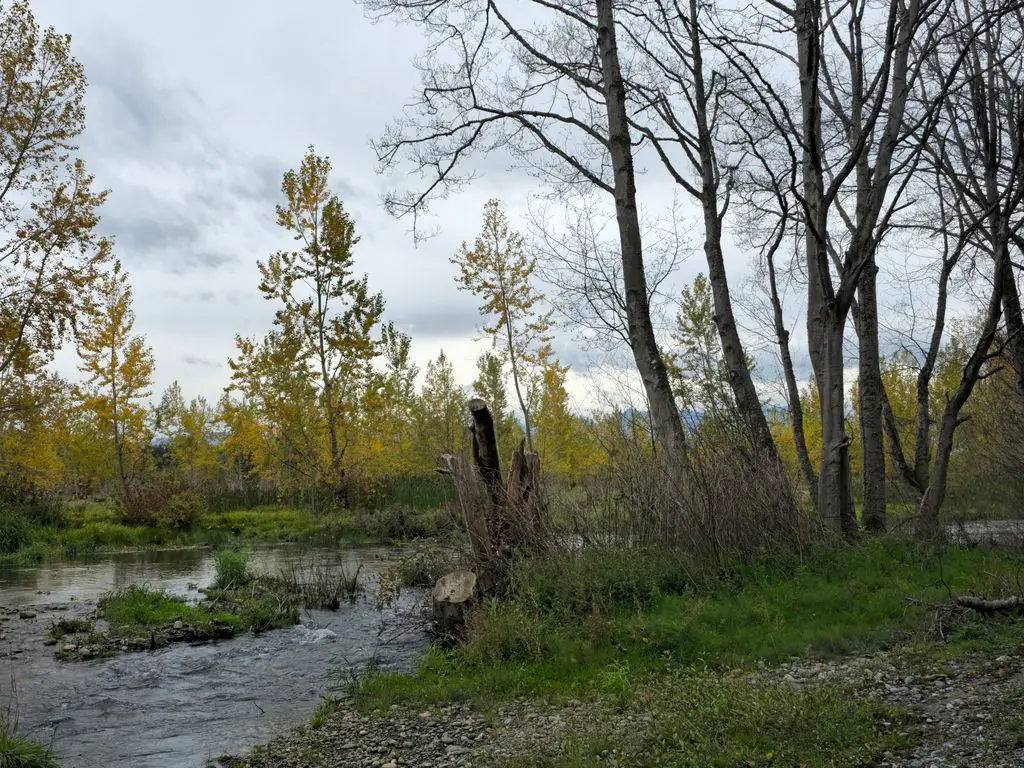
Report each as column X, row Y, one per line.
column 1014, row 604
column 502, row 519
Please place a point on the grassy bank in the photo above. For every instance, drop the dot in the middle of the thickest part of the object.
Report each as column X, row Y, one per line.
column 90, row 527
column 638, row 630
column 240, row 600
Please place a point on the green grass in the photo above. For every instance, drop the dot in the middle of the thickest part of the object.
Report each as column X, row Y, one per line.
column 19, row 752
column 661, row 654
column 696, row 719
column 570, row 626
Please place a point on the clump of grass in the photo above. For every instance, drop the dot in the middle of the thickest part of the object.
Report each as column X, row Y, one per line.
column 328, row 704
column 137, row 606
column 64, row 627
column 19, row 752
column 232, row 569
column 321, row 585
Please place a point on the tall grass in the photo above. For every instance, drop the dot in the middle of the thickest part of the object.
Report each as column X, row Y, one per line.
column 322, row 585
column 232, row 569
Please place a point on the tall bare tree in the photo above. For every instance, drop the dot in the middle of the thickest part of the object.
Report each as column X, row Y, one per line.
column 548, row 91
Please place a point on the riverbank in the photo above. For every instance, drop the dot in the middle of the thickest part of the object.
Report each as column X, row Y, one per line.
column 847, row 656
column 90, row 529
column 187, row 702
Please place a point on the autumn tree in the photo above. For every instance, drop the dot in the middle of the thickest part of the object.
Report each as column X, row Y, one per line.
column 50, row 255
column 188, row 428
column 119, row 367
column 441, row 409
column 498, row 270
column 327, row 322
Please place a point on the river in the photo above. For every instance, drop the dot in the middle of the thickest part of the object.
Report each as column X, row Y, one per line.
column 181, row 706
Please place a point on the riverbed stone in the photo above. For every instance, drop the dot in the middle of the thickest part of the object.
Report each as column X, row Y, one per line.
column 26, row 614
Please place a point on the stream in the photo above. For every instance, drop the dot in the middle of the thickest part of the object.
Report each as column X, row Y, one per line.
column 184, row 705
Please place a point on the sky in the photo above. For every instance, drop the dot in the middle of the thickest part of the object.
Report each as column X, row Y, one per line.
column 194, row 112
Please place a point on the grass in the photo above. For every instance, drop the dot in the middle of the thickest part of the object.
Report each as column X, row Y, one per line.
column 90, row 527
column 697, row 719
column 640, row 630
column 19, row 752
column 570, row 625
column 321, row 585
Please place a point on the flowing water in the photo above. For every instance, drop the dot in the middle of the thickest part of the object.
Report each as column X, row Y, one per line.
column 180, row 706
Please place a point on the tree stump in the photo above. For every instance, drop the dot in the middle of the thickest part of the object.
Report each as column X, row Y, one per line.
column 501, row 520
column 453, row 598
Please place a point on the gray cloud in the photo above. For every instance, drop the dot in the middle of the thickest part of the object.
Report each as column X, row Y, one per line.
column 201, row 362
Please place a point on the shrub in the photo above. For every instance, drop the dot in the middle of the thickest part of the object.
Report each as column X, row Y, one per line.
column 182, row 510
column 401, row 522
column 15, row 531
column 569, row 586
column 232, row 569
column 504, row 632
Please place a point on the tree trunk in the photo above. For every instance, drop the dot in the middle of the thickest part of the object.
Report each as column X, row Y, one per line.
column 667, row 422
column 1014, row 326
column 796, row 410
column 870, row 397
column 835, row 499
column 740, row 381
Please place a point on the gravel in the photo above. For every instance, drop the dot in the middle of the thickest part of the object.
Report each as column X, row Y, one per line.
column 955, row 711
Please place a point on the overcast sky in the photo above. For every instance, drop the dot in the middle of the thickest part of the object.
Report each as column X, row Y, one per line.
column 195, row 109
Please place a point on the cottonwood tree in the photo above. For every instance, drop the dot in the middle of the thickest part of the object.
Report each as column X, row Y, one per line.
column 50, row 254
column 854, row 138
column 498, row 270
column 188, row 427
column 440, row 411
column 550, row 93
column 119, row 367
column 327, row 323
column 578, row 256
column 977, row 157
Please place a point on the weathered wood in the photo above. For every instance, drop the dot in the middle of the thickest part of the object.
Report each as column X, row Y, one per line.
column 485, row 450
column 1014, row 604
column 453, row 598
column 501, row 520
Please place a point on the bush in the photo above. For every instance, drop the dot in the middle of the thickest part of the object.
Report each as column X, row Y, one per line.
column 401, row 522
column 182, row 510
column 232, row 570
column 569, row 586
column 15, row 531
column 502, row 633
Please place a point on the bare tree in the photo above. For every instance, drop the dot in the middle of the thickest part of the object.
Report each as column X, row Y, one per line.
column 549, row 92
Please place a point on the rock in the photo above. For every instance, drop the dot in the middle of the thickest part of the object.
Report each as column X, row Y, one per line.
column 70, row 648
column 179, row 624
column 453, row 597
column 26, row 614
column 49, row 641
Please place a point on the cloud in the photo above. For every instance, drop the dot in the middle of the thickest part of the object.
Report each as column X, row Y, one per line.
column 201, row 362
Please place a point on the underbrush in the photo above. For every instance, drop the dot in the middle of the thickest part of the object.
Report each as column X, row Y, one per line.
column 575, row 617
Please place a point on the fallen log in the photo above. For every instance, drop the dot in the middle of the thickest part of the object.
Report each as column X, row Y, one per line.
column 1014, row 604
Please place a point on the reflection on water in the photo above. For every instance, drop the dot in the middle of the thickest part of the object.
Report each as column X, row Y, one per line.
column 182, row 705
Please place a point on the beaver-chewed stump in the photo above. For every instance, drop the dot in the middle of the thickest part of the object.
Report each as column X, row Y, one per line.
column 453, row 597
column 503, row 519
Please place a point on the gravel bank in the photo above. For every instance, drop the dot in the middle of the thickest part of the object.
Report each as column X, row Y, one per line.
column 963, row 714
